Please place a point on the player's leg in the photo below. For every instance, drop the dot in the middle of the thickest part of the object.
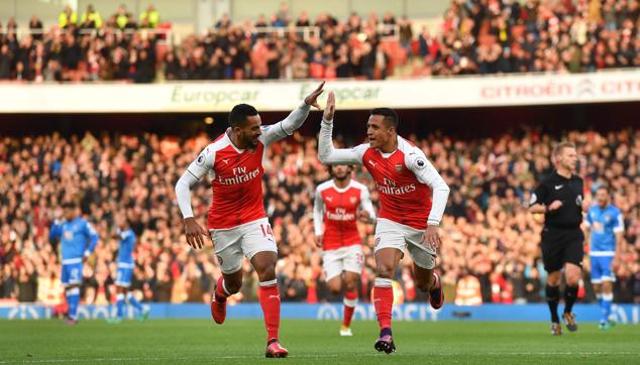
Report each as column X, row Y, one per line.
column 228, row 284
column 350, row 280
column 229, row 255
column 573, row 254
column 352, row 263
column 596, row 282
column 332, row 264
column 552, row 260
column 269, row 296
column 607, row 291
column 71, row 279
column 259, row 246
column 120, row 301
column 607, row 300
column 424, row 262
column 387, row 260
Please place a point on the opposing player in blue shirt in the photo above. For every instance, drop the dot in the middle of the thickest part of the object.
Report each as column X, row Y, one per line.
column 606, row 225
column 78, row 240
column 125, row 272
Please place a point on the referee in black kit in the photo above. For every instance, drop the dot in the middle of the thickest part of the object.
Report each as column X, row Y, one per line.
column 559, row 197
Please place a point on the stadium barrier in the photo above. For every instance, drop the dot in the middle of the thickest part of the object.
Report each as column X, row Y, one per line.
column 206, row 97
column 623, row 313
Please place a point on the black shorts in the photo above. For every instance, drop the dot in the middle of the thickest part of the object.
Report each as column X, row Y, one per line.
column 560, row 246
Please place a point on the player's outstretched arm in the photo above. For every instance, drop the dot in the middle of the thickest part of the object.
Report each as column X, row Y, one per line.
column 196, row 170
column 327, row 153
column 366, row 205
column 318, row 218
column 294, row 120
column 418, row 163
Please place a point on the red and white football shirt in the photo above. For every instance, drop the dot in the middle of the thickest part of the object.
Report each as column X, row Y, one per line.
column 336, row 211
column 412, row 193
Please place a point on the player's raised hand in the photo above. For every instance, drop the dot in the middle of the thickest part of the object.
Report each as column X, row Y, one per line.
column 312, row 99
column 330, row 109
column 432, row 238
column 194, row 233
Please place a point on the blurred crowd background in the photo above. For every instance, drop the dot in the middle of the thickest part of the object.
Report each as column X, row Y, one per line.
column 472, row 37
column 490, row 247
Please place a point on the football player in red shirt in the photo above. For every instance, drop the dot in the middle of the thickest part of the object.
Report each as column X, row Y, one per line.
column 338, row 205
column 237, row 221
column 413, row 197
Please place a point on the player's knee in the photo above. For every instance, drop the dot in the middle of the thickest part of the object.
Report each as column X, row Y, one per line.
column 423, row 286
column 335, row 289
column 232, row 286
column 385, row 271
column 267, row 272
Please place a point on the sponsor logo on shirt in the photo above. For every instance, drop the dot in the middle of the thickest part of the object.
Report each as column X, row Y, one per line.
column 390, row 187
column 340, row 215
column 241, row 176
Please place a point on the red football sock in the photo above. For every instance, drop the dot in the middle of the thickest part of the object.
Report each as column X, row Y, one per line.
column 221, row 293
column 350, row 301
column 269, row 297
column 383, row 302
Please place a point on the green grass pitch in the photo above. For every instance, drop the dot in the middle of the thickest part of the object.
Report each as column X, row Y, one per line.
column 311, row 342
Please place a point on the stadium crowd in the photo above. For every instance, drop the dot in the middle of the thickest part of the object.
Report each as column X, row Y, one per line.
column 476, row 36
column 490, row 243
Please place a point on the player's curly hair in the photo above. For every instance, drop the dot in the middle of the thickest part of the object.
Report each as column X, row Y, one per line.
column 240, row 113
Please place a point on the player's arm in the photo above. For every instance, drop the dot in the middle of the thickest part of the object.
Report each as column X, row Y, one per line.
column 327, row 153
column 92, row 237
column 366, row 206
column 55, row 232
column 318, row 218
column 618, row 231
column 418, row 163
column 293, row 121
column 196, row 170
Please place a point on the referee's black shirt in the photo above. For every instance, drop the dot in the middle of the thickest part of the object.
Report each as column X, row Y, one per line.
column 569, row 192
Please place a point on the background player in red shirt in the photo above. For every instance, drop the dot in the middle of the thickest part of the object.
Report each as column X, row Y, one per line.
column 237, row 221
column 338, row 204
column 413, row 197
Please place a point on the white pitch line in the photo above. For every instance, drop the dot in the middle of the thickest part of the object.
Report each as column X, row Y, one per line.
column 325, row 356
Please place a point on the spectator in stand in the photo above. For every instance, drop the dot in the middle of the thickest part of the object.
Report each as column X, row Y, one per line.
column 67, row 17
column 149, row 18
column 90, row 19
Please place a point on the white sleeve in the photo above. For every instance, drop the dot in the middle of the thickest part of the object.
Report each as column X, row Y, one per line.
column 330, row 155
column 619, row 224
column 285, row 127
column 365, row 202
column 196, row 170
column 417, row 162
column 318, row 214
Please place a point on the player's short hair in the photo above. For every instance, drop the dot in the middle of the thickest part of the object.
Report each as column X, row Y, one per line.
column 389, row 115
column 69, row 204
column 330, row 167
column 559, row 148
column 603, row 187
column 240, row 113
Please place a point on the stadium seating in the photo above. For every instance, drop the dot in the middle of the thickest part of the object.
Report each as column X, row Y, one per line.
column 474, row 38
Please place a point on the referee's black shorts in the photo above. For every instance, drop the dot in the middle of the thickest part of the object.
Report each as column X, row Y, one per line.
column 560, row 246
